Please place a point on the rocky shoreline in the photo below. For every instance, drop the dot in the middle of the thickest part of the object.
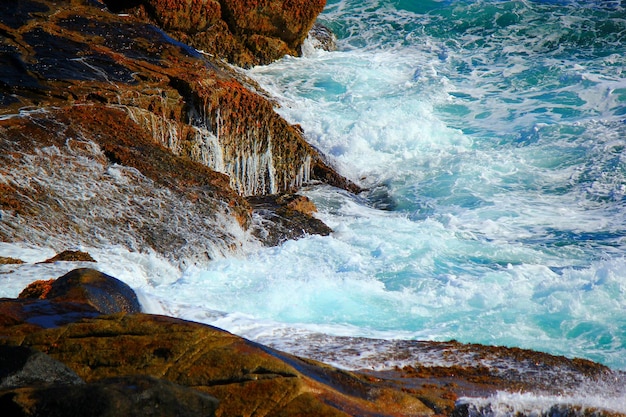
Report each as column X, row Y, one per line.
column 82, row 339
column 129, row 124
column 152, row 128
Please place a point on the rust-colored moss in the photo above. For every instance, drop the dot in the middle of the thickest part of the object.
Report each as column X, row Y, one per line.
column 38, row 289
column 70, row 256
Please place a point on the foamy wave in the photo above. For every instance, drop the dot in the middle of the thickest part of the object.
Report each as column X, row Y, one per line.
column 583, row 403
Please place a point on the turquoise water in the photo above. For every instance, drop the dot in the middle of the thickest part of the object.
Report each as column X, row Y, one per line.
column 491, row 137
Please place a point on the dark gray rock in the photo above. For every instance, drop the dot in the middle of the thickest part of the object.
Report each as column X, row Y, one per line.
column 106, row 294
column 21, row 367
column 324, row 37
column 134, row 396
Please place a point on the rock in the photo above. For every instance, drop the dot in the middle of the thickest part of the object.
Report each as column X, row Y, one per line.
column 133, row 182
column 297, row 203
column 87, row 286
column 10, row 261
column 272, row 27
column 244, row 33
column 135, row 396
column 24, row 367
column 285, row 217
column 19, row 317
column 70, row 256
column 323, row 37
column 81, row 293
column 247, row 379
column 38, row 289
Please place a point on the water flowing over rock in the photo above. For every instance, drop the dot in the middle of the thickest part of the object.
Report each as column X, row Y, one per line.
column 115, row 133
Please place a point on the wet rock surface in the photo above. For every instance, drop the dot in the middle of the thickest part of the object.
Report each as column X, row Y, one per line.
column 285, row 217
column 71, row 256
column 4, row 260
column 109, row 126
column 22, row 367
column 81, row 293
column 127, row 396
column 104, row 293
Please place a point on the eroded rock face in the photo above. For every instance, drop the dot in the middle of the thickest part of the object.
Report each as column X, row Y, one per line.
column 90, row 175
column 108, row 127
column 245, row 33
column 270, row 27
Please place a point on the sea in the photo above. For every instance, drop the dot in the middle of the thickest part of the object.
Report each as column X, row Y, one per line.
column 490, row 139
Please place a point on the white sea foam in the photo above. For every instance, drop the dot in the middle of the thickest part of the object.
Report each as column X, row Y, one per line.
column 504, row 174
column 506, row 404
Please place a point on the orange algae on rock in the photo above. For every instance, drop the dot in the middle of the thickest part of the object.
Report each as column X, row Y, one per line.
column 37, row 289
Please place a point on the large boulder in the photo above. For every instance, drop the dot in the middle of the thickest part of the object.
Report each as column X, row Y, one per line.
column 105, row 293
column 243, row 32
column 246, row 378
column 81, row 293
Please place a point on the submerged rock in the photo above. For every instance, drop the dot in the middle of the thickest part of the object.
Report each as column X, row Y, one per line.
column 10, row 261
column 23, row 367
column 323, row 37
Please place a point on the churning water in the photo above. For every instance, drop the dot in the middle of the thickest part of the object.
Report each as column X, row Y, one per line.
column 491, row 136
